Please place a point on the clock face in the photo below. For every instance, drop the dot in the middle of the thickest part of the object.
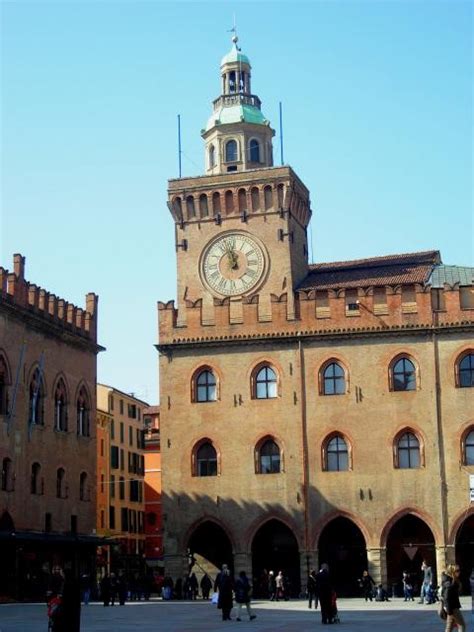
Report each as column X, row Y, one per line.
column 233, row 264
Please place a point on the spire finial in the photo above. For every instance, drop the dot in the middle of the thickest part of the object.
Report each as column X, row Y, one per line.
column 235, row 38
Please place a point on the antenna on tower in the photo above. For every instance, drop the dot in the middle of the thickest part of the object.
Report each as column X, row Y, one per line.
column 179, row 144
column 281, row 134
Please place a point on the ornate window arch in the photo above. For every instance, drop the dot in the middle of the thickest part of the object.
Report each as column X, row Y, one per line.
column 408, row 450
column 403, row 373
column 4, row 384
column 190, row 208
column 255, row 198
column 231, row 151
column 205, row 460
column 242, row 200
column 36, row 394
column 204, row 385
column 254, row 150
column 464, row 369
column 268, row 197
column 336, row 453
column 83, row 410
column 8, row 478
column 467, row 447
column 333, row 378
column 61, row 488
column 264, row 382
column 203, row 205
column 36, row 483
column 60, row 406
column 268, row 456
column 212, row 156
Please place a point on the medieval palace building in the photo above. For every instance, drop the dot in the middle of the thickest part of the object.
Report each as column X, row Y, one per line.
column 309, row 412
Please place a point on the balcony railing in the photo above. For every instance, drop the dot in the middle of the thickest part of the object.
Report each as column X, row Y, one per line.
column 226, row 100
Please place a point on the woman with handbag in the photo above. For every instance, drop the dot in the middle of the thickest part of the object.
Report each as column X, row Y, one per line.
column 450, row 600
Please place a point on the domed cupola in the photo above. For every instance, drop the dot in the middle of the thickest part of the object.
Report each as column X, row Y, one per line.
column 237, row 136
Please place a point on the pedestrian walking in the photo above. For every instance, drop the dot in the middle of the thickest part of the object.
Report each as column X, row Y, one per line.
column 367, row 584
column 452, row 603
column 312, row 589
column 122, row 588
column 193, row 586
column 280, row 586
column 407, row 587
column 243, row 591
column 324, row 593
column 426, row 582
column 113, row 588
column 86, row 586
column 105, row 589
column 224, row 586
column 272, row 586
column 206, row 586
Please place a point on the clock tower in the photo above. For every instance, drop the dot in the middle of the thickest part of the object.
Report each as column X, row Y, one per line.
column 241, row 229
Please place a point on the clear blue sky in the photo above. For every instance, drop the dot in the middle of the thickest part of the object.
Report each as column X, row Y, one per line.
column 377, row 116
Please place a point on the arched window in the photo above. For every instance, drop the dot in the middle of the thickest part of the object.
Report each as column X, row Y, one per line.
column 4, row 381
column 334, row 379
column 268, row 197
column 60, row 483
column 255, row 195
column 7, row 475
column 269, row 460
column 205, row 386
column 212, row 156
column 408, row 451
column 254, row 150
column 336, row 455
column 265, row 383
column 281, row 194
column 231, row 151
column 206, row 460
column 216, row 203
column 203, row 208
column 60, row 407
column 403, row 375
column 229, row 202
column 466, row 370
column 36, row 399
column 468, row 448
column 190, row 210
column 36, row 482
column 242, row 198
column 83, row 413
column 83, row 490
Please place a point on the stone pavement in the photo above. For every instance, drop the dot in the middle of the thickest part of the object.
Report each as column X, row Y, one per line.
column 293, row 616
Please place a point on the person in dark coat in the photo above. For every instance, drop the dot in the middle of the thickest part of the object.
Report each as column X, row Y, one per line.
column 272, row 587
column 324, row 593
column 224, row 585
column 105, row 589
column 193, row 586
column 312, row 589
column 367, row 584
column 113, row 588
column 122, row 588
column 206, row 586
column 242, row 596
column 71, row 604
column 452, row 603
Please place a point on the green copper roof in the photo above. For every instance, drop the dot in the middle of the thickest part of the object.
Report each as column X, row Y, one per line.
column 451, row 275
column 236, row 114
column 234, row 55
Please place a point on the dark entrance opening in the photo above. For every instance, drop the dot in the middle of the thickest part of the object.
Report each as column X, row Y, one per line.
column 409, row 542
column 8, row 582
column 465, row 551
column 342, row 546
column 211, row 548
column 275, row 548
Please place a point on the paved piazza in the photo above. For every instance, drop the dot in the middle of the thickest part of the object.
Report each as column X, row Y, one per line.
column 356, row 616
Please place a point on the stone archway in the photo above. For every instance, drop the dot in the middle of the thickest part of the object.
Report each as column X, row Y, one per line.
column 465, row 551
column 275, row 548
column 342, row 546
column 409, row 542
column 211, row 547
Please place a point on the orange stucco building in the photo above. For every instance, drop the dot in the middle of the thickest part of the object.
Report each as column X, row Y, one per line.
column 153, row 491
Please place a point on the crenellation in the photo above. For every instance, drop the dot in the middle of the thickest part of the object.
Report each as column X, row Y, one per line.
column 31, row 297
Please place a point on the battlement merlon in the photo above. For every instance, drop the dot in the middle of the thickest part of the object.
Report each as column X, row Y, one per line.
column 228, row 195
column 34, row 300
column 338, row 311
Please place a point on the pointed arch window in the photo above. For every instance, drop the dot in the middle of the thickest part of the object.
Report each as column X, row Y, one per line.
column 255, row 196
column 36, row 486
column 268, row 197
column 7, row 475
column 333, row 379
column 266, row 383
column 468, row 448
column 407, row 451
column 83, row 414
column 206, row 460
column 61, row 483
column 403, row 375
column 60, row 407
column 36, row 399
column 268, row 458
column 465, row 370
column 203, row 206
column 231, row 151
column 336, row 454
column 4, row 382
column 254, row 150
column 205, row 386
column 83, row 489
